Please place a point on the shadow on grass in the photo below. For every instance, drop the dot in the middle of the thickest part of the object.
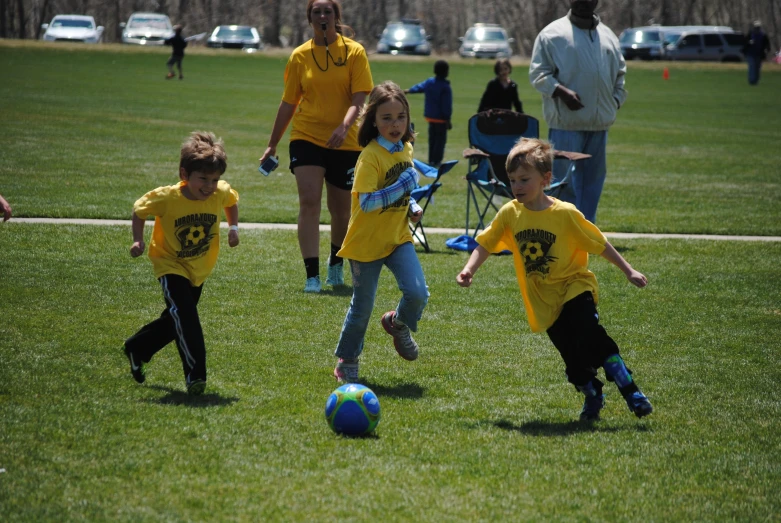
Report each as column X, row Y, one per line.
column 178, row 397
column 547, row 428
column 400, row 391
column 339, row 290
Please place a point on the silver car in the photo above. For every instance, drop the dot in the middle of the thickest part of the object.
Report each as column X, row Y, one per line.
column 712, row 45
column 235, row 37
column 485, row 41
column 146, row 29
column 72, row 28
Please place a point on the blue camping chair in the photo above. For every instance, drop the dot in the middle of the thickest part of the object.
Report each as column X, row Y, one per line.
column 425, row 195
column 492, row 134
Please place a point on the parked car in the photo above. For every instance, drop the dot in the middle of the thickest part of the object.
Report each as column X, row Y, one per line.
column 714, row 44
column 485, row 41
column 72, row 28
column 404, row 37
column 643, row 43
column 235, row 37
column 146, row 29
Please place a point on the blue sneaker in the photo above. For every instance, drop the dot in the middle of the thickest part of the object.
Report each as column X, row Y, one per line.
column 639, row 404
column 313, row 284
column 591, row 407
column 335, row 275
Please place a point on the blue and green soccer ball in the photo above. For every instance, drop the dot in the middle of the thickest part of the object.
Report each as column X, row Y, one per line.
column 352, row 410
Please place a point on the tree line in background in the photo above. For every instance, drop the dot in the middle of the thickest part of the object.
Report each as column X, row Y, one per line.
column 284, row 23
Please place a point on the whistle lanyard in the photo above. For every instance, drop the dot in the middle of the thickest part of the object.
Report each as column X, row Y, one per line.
column 338, row 63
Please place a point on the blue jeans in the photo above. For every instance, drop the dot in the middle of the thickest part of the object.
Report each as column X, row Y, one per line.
column 754, row 66
column 586, row 176
column 404, row 264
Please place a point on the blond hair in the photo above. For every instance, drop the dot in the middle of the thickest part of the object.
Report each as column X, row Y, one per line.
column 203, row 152
column 530, row 152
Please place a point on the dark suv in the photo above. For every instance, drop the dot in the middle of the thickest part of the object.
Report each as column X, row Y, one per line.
column 404, row 37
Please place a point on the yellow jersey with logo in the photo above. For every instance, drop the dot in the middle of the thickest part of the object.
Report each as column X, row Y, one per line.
column 550, row 252
column 376, row 234
column 186, row 236
column 323, row 97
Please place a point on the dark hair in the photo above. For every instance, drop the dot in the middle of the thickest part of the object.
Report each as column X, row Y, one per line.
column 384, row 92
column 500, row 62
column 203, row 152
column 441, row 68
column 340, row 27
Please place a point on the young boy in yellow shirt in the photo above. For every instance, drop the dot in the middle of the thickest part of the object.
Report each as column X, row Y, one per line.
column 183, row 250
column 550, row 241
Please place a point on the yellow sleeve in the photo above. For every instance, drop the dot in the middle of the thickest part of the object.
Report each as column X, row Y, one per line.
column 230, row 196
column 587, row 236
column 293, row 91
column 152, row 203
column 361, row 80
column 367, row 171
column 493, row 238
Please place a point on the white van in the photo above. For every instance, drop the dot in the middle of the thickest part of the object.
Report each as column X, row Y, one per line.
column 712, row 44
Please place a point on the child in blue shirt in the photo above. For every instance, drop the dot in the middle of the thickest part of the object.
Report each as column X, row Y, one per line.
column 438, row 110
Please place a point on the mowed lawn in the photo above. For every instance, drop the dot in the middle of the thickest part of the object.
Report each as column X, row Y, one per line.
column 85, row 132
column 483, row 427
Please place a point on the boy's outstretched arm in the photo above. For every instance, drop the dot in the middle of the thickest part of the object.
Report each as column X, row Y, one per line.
column 137, row 249
column 479, row 255
column 635, row 278
column 232, row 214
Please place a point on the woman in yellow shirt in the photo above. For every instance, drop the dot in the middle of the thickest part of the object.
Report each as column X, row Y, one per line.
column 326, row 82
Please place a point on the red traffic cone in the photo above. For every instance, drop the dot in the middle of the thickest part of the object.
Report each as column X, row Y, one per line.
column 666, row 74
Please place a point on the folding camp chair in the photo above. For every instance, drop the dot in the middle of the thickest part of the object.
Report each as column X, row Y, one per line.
column 492, row 134
column 425, row 195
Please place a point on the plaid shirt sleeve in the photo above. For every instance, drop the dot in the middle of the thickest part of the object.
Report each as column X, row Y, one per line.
column 384, row 197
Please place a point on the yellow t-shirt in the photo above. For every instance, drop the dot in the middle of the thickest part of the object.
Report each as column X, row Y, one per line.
column 323, row 97
column 374, row 235
column 186, row 236
column 550, row 251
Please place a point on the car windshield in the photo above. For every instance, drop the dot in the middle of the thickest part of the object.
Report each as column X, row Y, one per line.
column 227, row 31
column 154, row 23
column 671, row 38
column 402, row 32
column 641, row 37
column 64, row 22
column 483, row 34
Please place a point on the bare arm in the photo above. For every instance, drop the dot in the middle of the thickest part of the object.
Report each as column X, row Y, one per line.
column 284, row 115
column 478, row 257
column 340, row 133
column 5, row 209
column 232, row 214
column 635, row 278
column 137, row 249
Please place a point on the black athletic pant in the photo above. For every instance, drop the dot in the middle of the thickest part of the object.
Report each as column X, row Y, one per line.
column 179, row 322
column 582, row 342
column 437, row 138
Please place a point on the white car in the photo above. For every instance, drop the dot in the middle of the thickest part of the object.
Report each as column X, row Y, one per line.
column 72, row 28
column 485, row 41
column 146, row 29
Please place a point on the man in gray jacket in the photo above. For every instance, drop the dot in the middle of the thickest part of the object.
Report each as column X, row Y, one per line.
column 578, row 67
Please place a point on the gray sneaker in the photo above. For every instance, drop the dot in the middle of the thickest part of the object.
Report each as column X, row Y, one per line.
column 402, row 337
column 346, row 372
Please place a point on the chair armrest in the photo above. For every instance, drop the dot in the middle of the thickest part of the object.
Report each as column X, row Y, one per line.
column 470, row 153
column 570, row 155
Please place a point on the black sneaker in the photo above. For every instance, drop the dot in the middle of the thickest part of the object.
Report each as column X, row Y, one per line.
column 196, row 387
column 137, row 367
column 639, row 404
column 591, row 407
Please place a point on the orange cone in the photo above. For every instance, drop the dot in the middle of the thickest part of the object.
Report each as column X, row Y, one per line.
column 666, row 74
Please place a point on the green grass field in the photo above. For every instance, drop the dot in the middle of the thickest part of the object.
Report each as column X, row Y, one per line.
column 483, row 426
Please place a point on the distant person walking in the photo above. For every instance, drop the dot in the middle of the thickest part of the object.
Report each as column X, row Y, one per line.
column 326, row 82
column 578, row 67
column 437, row 111
column 501, row 92
column 756, row 49
column 178, row 43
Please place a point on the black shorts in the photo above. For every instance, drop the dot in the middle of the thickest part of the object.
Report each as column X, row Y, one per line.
column 339, row 165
